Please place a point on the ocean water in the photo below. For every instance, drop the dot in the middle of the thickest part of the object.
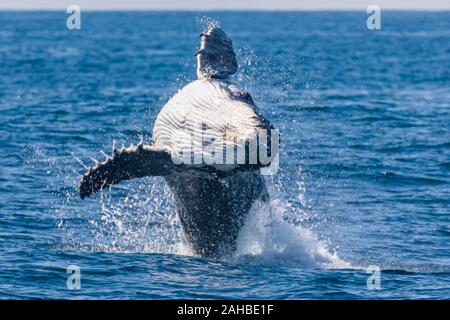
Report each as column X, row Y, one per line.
column 364, row 174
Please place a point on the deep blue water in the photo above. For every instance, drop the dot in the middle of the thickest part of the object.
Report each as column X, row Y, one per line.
column 365, row 164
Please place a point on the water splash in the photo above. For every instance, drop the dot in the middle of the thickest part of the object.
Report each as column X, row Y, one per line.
column 140, row 217
column 268, row 239
column 206, row 22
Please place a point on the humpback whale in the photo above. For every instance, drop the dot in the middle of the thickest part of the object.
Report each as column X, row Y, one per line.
column 209, row 142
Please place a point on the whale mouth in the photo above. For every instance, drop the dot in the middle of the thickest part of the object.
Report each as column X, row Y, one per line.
column 216, row 57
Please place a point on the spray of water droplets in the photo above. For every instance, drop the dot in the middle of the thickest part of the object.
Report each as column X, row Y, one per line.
column 206, row 22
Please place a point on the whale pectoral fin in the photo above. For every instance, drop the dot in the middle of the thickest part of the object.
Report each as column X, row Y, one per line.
column 125, row 164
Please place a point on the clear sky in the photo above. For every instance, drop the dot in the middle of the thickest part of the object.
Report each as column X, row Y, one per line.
column 225, row 4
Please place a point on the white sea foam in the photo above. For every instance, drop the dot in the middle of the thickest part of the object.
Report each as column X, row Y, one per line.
column 267, row 239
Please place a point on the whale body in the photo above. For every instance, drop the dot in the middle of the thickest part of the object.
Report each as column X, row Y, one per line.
column 191, row 140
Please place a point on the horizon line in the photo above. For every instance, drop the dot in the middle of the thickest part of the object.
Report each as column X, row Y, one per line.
column 225, row 9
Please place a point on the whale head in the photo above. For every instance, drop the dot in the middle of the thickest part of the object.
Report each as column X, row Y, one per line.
column 215, row 58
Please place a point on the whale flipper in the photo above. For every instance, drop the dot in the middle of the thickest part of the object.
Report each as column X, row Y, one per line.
column 143, row 161
column 125, row 164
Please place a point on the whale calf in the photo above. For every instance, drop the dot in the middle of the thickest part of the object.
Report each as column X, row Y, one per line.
column 192, row 139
